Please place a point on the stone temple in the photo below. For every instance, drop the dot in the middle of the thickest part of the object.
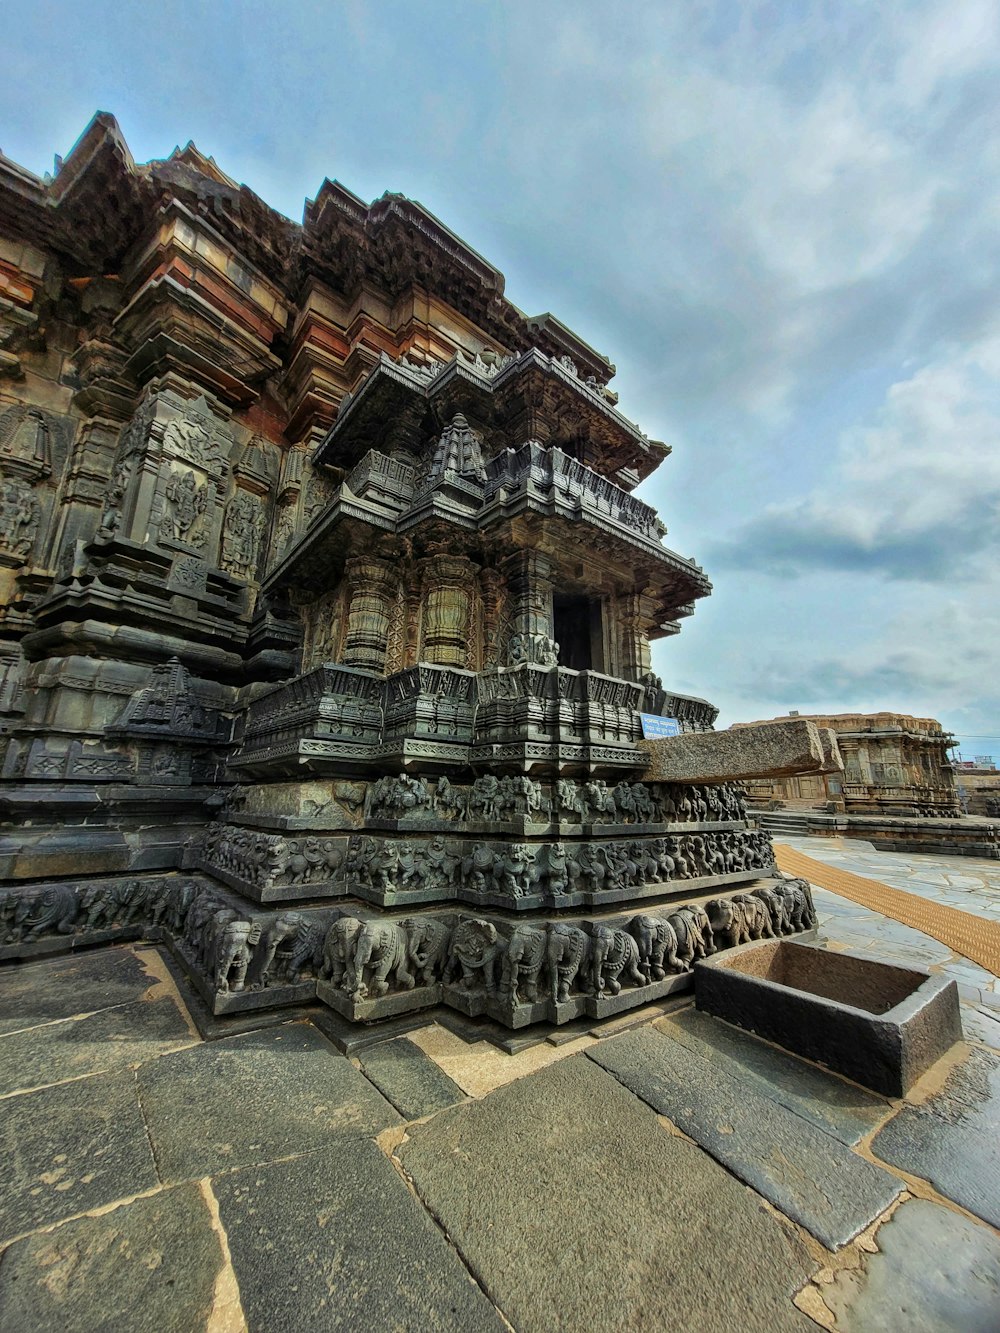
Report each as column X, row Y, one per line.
column 327, row 612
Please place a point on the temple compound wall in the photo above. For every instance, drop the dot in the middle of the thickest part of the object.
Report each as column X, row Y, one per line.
column 326, row 608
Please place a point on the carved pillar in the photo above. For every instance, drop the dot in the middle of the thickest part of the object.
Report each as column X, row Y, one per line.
column 446, row 618
column 496, row 628
column 633, row 646
column 372, row 588
column 530, row 578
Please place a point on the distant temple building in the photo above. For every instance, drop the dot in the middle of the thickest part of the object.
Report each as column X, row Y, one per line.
column 894, row 764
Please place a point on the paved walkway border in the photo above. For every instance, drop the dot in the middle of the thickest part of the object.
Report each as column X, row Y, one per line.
column 969, row 935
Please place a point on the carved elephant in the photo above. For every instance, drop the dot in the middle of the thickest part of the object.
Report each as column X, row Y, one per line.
column 567, row 954
column 700, row 928
column 778, row 907
column 208, row 944
column 54, row 908
column 427, row 947
column 338, row 952
column 798, row 898
column 290, row 942
column 179, row 898
column 758, row 917
column 232, row 954
column 657, row 944
column 382, row 947
column 523, row 959
column 99, row 906
column 134, row 901
column 613, row 952
column 729, row 923
column 475, row 950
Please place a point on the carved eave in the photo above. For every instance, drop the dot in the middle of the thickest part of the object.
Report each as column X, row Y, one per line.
column 554, row 338
column 91, row 211
column 531, row 397
column 396, row 244
column 262, row 236
column 199, row 308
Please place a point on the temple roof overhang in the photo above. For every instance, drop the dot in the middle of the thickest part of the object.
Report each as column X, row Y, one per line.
column 529, row 395
column 100, row 204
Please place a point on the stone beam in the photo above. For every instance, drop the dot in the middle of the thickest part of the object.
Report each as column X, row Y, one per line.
column 775, row 749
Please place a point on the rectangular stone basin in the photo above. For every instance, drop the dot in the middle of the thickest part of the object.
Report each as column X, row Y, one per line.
column 876, row 1023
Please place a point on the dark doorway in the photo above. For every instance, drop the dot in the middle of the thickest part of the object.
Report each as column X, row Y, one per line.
column 579, row 631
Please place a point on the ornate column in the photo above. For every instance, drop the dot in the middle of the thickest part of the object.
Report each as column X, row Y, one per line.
column 634, row 613
column 530, row 578
column 446, row 609
column 372, row 588
column 496, row 627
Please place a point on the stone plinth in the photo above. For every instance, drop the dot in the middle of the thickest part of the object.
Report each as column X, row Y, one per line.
column 786, row 748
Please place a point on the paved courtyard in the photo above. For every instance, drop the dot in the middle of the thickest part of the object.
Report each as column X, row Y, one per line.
column 671, row 1172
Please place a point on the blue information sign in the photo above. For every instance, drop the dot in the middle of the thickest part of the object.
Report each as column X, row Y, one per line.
column 659, row 726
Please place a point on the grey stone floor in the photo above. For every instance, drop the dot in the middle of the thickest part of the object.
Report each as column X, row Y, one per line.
column 672, row 1173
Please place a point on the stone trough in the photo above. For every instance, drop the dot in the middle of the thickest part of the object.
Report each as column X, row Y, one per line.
column 876, row 1023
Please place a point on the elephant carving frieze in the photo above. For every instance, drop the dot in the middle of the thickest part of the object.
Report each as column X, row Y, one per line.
column 510, row 968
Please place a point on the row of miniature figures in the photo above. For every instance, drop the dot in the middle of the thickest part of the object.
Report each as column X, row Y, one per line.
column 493, row 799
column 514, row 870
column 549, row 869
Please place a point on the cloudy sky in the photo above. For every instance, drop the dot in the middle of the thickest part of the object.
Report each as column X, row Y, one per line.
column 782, row 222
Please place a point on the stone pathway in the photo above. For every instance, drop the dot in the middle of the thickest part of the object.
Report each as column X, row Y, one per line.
column 974, row 934
column 675, row 1173
column 847, row 924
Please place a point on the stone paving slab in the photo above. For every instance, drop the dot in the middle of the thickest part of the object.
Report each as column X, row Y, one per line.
column 70, row 1148
column 34, row 993
column 807, row 1174
column 953, row 1139
column 981, row 1025
column 575, row 1209
column 254, row 1098
column 151, row 1264
column 935, row 1272
column 834, row 1105
column 335, row 1240
column 411, row 1080
column 109, row 1039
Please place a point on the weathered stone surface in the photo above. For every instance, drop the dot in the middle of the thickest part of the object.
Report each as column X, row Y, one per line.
column 875, row 1022
column 414, row 1084
column 575, row 1209
column 777, row 749
column 151, row 1264
column 69, row 1148
column 109, row 1039
column 832, row 1104
column 335, row 1240
column 953, row 1139
column 935, row 1272
column 807, row 1174
column 82, row 983
column 261, row 1096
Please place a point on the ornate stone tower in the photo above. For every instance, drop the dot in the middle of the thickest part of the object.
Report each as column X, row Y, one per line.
column 325, row 583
